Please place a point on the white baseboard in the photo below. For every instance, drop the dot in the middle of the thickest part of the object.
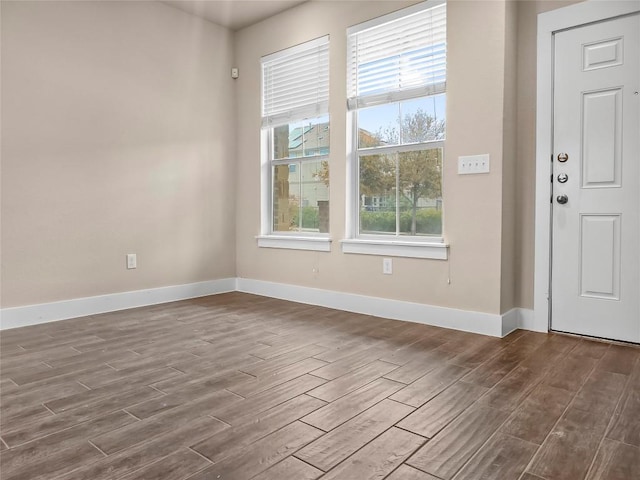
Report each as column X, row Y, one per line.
column 519, row 318
column 48, row 312
column 527, row 321
column 510, row 321
column 468, row 321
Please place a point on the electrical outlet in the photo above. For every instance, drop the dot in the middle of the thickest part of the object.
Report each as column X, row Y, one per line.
column 387, row 266
column 132, row 261
column 471, row 164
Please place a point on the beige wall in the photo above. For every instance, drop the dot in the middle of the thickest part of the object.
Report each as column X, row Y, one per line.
column 473, row 203
column 117, row 137
column 509, row 160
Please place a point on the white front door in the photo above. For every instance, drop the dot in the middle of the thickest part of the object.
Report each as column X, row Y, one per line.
column 595, row 273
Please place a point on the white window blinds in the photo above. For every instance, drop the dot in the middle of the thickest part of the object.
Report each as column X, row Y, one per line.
column 398, row 56
column 295, row 83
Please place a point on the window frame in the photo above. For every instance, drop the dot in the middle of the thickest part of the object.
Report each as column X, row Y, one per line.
column 289, row 161
column 415, row 246
column 269, row 237
column 390, row 150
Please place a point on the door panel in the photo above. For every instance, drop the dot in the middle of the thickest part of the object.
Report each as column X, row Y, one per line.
column 603, row 54
column 600, row 256
column 595, row 273
column 601, row 138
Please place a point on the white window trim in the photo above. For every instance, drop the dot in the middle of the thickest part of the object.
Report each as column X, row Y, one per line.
column 295, row 242
column 396, row 248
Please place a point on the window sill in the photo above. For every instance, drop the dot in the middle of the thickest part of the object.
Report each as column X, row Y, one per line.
column 318, row 244
column 396, row 248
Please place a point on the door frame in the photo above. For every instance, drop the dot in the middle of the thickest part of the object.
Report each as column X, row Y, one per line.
column 549, row 23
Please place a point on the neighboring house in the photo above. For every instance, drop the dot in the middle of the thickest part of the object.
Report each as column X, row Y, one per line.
column 304, row 184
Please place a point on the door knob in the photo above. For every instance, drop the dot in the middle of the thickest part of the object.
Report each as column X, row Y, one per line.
column 562, row 199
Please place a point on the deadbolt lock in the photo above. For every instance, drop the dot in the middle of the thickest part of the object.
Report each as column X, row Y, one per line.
column 563, row 157
column 563, row 177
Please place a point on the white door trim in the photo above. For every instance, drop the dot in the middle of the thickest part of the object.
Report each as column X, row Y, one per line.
column 548, row 23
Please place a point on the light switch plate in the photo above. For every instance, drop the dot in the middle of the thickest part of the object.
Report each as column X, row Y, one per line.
column 472, row 164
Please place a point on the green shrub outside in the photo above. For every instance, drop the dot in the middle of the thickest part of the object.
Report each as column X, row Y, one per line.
column 428, row 221
column 309, row 218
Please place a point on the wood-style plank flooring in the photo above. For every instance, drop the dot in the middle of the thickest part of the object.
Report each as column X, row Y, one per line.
column 237, row 386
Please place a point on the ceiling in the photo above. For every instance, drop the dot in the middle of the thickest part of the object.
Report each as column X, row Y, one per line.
column 234, row 14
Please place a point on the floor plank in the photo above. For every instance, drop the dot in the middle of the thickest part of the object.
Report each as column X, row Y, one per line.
column 502, row 457
column 292, row 468
column 615, row 461
column 529, row 476
column 494, row 370
column 619, row 359
column 335, row 446
column 335, row 389
column 336, row 413
column 131, row 459
column 261, row 455
column 58, row 464
column 457, row 443
column 38, row 428
column 272, row 365
column 177, row 466
column 379, row 457
column 254, row 386
column 476, row 354
column 232, row 440
column 413, row 370
column 570, row 447
column 40, row 450
column 239, row 412
column 143, row 430
column 348, row 364
column 600, row 393
column 537, row 415
column 427, row 387
column 27, row 397
column 99, row 394
column 188, row 392
column 626, row 424
column 405, row 472
column 509, row 393
column 434, row 415
column 575, row 370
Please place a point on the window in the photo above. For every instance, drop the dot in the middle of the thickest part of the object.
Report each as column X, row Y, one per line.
column 295, row 132
column 396, row 88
